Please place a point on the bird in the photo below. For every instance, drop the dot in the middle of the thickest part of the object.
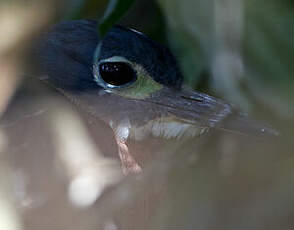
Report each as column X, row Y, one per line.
column 134, row 85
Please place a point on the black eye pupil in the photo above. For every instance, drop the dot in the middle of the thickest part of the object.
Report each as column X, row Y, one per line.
column 117, row 73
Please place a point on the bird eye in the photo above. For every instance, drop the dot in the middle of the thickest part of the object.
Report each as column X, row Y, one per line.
column 117, row 73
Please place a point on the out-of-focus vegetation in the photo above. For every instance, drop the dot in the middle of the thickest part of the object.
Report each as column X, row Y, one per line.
column 245, row 46
column 240, row 50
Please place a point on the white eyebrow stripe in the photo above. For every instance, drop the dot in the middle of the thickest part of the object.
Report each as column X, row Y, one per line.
column 136, row 31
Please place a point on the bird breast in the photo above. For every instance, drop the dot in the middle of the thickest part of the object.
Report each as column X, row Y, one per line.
column 166, row 128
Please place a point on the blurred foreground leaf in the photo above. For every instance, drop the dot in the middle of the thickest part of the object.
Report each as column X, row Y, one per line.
column 115, row 10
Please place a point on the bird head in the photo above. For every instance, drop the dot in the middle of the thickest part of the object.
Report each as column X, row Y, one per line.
column 140, row 78
column 126, row 56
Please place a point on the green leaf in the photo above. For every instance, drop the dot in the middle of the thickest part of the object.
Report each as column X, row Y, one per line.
column 115, row 11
